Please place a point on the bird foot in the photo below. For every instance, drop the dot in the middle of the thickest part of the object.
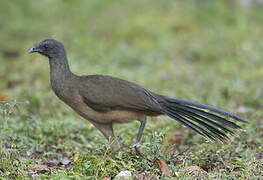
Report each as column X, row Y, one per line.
column 138, row 152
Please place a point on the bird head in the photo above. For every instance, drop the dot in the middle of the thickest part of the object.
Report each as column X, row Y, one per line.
column 49, row 48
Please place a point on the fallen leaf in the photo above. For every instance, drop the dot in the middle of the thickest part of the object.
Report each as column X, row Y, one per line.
column 172, row 151
column 65, row 162
column 163, row 167
column 4, row 98
column 40, row 168
column 178, row 136
column 195, row 169
column 175, row 141
column 126, row 149
column 175, row 153
column 123, row 174
column 52, row 163
column 107, row 178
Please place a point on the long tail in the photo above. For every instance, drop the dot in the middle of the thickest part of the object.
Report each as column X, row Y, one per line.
column 210, row 122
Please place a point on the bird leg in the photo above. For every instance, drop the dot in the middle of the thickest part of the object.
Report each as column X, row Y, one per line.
column 139, row 136
column 107, row 131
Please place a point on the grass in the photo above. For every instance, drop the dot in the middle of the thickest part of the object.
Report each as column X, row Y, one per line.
column 209, row 52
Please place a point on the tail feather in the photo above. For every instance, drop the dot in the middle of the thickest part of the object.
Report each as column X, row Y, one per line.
column 205, row 120
column 194, row 117
column 191, row 125
column 209, row 115
column 202, row 106
column 211, row 126
column 204, row 116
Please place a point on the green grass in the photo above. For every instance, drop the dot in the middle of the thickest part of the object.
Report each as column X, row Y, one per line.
column 209, row 52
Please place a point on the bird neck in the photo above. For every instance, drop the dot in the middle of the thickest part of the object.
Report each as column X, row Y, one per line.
column 59, row 68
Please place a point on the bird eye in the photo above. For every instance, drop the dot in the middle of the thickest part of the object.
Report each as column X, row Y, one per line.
column 45, row 47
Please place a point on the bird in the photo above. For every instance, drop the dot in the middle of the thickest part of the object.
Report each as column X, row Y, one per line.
column 106, row 100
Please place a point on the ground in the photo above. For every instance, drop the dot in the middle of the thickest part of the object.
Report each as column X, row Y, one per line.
column 208, row 52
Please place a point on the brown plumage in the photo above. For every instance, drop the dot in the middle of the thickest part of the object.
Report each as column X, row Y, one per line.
column 105, row 100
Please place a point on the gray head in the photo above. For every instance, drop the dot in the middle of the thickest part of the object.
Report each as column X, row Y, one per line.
column 49, row 48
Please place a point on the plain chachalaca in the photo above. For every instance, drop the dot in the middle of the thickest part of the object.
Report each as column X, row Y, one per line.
column 105, row 100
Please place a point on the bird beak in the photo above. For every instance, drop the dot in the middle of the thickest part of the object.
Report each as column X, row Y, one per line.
column 35, row 49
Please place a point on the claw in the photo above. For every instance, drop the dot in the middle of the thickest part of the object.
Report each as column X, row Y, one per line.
column 138, row 152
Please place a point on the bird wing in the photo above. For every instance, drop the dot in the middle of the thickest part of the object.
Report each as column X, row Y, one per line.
column 105, row 93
